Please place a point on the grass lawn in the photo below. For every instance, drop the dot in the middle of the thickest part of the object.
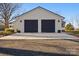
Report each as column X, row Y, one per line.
column 74, row 33
column 39, row 47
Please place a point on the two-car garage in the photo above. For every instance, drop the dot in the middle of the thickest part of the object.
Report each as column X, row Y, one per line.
column 32, row 26
column 39, row 20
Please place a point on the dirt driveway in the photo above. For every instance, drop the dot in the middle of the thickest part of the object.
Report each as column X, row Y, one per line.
column 39, row 47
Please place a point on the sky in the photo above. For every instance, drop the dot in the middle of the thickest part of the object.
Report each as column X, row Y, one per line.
column 69, row 10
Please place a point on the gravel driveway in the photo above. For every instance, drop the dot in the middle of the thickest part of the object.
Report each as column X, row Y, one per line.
column 40, row 36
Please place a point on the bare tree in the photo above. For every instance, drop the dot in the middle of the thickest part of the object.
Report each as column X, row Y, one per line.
column 77, row 21
column 6, row 12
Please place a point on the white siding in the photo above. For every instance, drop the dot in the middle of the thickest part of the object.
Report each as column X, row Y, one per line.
column 38, row 14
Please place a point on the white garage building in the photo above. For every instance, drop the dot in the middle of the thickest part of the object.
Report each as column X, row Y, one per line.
column 39, row 20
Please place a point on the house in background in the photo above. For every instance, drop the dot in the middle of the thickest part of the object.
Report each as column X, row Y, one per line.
column 39, row 20
column 11, row 25
column 1, row 25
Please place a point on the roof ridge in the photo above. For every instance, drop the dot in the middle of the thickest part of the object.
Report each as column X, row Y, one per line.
column 42, row 8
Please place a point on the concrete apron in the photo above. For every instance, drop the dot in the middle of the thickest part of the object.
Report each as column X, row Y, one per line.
column 39, row 36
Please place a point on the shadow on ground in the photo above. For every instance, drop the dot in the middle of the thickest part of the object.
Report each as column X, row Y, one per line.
column 19, row 52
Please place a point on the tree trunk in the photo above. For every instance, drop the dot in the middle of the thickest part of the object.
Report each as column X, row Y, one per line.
column 6, row 24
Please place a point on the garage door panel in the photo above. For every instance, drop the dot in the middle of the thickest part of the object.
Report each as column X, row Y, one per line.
column 48, row 26
column 30, row 26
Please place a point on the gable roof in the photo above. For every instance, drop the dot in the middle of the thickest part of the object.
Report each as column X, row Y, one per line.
column 41, row 8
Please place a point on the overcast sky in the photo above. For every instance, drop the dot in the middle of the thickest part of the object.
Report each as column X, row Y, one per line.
column 69, row 11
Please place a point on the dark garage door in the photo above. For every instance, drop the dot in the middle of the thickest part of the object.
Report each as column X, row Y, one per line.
column 48, row 26
column 31, row 26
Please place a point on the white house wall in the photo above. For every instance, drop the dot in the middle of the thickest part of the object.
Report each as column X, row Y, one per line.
column 38, row 14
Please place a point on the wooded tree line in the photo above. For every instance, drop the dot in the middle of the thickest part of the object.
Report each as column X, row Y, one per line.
column 70, row 26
